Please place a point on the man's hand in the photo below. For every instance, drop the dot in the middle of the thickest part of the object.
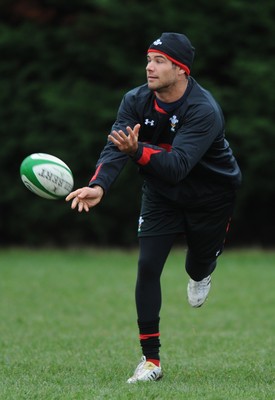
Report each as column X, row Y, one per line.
column 85, row 198
column 126, row 143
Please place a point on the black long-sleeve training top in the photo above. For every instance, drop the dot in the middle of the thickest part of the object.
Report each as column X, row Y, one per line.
column 182, row 154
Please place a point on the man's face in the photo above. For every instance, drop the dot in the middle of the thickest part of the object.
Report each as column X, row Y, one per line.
column 162, row 74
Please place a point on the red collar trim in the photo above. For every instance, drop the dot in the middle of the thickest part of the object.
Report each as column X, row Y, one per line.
column 157, row 108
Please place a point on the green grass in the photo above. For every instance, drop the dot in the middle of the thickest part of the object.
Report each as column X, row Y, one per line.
column 68, row 328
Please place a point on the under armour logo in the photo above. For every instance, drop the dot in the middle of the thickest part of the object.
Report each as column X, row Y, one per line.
column 174, row 122
column 148, row 122
column 157, row 42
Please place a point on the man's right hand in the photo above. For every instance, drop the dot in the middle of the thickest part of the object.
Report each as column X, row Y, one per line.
column 85, row 198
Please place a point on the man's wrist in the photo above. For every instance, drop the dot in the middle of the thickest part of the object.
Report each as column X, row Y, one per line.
column 96, row 186
column 137, row 154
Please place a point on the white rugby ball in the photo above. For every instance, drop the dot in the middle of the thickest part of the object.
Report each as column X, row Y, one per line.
column 47, row 176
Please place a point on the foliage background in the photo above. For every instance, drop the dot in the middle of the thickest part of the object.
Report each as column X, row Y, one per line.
column 66, row 64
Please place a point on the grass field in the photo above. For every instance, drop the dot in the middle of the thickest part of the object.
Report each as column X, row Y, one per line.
column 68, row 328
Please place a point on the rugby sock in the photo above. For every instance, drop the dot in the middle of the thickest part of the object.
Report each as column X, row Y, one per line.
column 156, row 362
column 149, row 340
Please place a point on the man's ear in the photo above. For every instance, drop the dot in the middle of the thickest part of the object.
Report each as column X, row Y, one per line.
column 181, row 71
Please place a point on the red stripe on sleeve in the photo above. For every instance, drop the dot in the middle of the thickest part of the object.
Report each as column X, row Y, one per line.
column 146, row 155
column 96, row 173
column 165, row 146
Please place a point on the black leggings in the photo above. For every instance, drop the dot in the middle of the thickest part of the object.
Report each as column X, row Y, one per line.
column 153, row 254
column 204, row 225
column 154, row 251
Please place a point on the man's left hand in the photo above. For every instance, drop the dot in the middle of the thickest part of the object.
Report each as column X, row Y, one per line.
column 126, row 143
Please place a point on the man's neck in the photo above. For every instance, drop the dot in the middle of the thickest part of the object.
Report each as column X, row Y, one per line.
column 172, row 94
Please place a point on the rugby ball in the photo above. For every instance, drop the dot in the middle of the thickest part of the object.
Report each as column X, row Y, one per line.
column 47, row 176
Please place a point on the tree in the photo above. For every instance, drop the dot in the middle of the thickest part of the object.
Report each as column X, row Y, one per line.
column 64, row 68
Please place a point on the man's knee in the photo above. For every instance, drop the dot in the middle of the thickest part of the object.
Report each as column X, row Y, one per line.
column 197, row 267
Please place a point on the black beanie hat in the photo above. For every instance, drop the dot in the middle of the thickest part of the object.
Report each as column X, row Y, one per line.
column 176, row 47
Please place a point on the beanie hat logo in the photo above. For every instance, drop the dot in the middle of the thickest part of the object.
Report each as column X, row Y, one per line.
column 157, row 42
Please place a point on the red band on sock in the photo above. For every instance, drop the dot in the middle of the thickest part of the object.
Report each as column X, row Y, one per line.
column 154, row 361
column 148, row 335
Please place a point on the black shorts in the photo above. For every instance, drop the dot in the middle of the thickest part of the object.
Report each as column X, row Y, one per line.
column 204, row 222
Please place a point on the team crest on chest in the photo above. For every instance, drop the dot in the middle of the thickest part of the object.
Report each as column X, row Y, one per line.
column 140, row 222
column 174, row 120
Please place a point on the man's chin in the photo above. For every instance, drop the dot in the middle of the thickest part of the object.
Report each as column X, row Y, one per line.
column 152, row 86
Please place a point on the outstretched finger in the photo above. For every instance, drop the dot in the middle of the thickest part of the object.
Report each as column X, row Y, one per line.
column 86, row 208
column 74, row 203
column 134, row 131
column 80, row 206
column 114, row 140
column 73, row 194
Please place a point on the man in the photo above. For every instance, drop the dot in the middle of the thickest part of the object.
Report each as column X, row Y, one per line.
column 173, row 130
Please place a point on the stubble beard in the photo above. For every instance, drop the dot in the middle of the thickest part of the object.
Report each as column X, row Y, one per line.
column 161, row 88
